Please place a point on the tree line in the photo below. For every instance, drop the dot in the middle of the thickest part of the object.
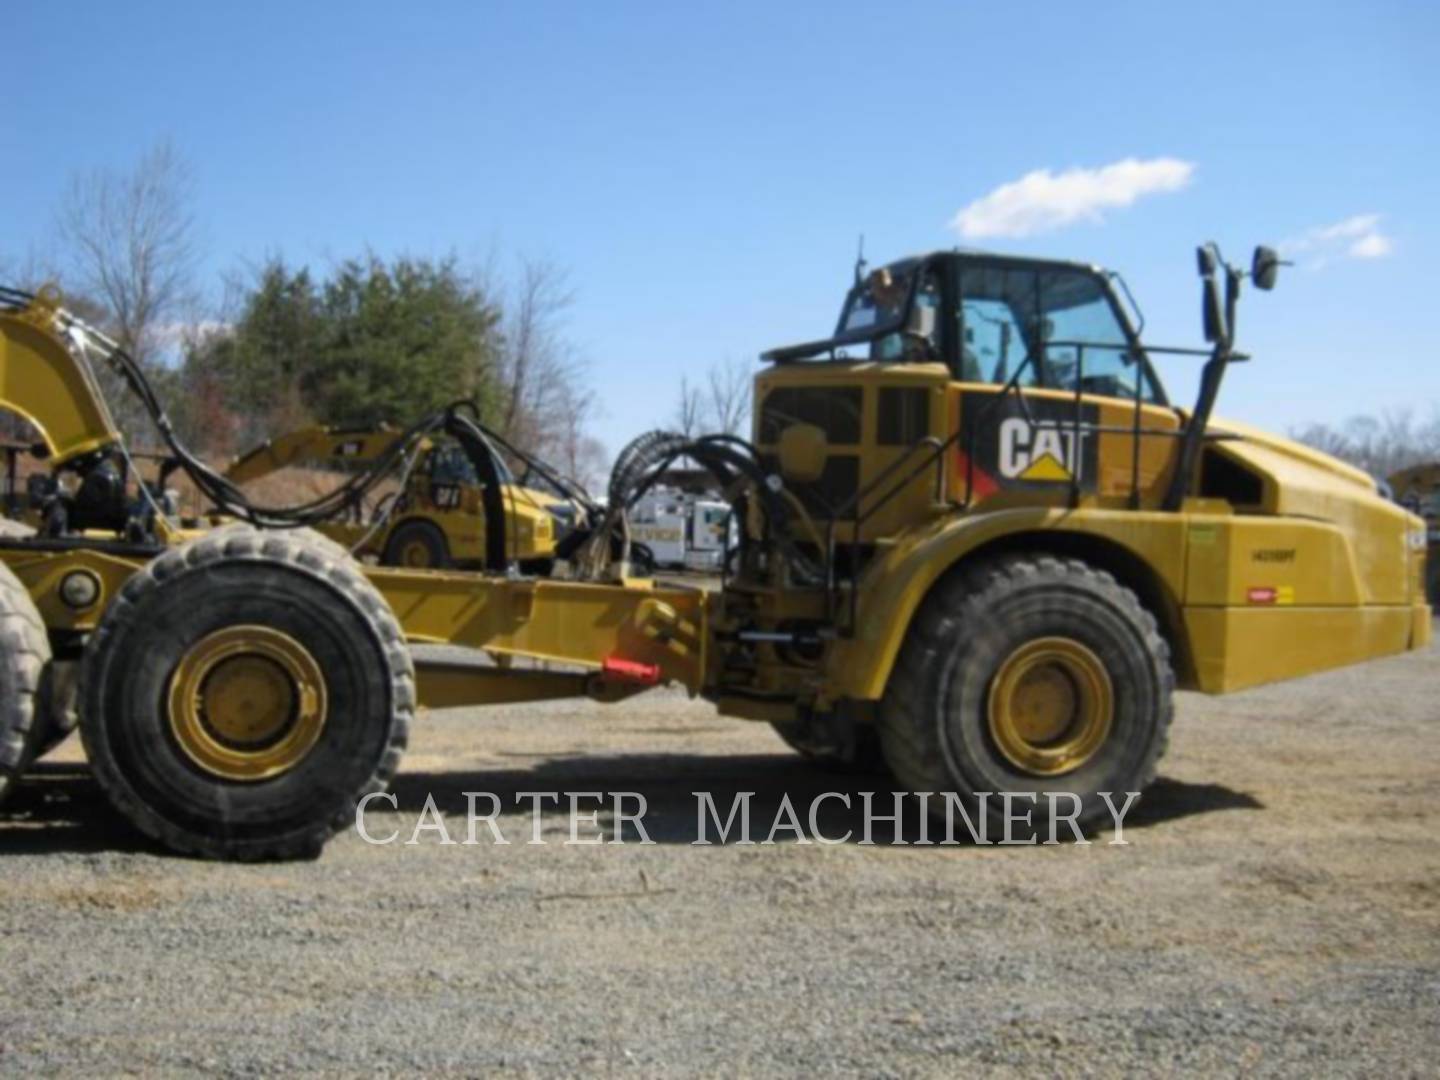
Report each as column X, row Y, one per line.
column 1382, row 445
column 367, row 340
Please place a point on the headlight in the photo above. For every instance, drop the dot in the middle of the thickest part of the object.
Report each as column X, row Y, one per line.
column 79, row 589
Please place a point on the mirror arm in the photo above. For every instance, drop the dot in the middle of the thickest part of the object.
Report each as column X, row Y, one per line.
column 1232, row 297
column 1210, row 380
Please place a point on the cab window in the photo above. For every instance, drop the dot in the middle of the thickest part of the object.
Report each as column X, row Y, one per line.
column 996, row 307
column 1045, row 328
column 1084, row 340
column 920, row 338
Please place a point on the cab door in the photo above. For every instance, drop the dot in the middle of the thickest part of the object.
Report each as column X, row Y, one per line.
column 1051, row 390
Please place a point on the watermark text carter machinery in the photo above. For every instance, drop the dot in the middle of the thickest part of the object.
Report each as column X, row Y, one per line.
column 1002, row 818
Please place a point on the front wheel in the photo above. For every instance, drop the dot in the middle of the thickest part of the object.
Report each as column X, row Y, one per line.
column 1030, row 675
column 243, row 693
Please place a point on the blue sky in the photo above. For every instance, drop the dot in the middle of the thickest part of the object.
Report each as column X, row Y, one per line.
column 703, row 171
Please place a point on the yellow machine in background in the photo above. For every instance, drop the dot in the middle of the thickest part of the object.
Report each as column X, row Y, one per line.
column 980, row 548
column 1418, row 490
column 437, row 519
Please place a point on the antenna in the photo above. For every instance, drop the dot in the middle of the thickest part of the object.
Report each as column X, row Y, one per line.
column 860, row 262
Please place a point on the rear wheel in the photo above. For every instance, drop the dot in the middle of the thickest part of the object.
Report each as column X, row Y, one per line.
column 243, row 693
column 1432, row 578
column 24, row 672
column 417, row 545
column 1029, row 675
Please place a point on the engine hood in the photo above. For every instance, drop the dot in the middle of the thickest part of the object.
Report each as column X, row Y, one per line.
column 1292, row 462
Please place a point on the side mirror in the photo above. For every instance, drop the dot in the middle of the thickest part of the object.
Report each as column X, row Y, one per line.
column 803, row 451
column 1207, row 260
column 1264, row 268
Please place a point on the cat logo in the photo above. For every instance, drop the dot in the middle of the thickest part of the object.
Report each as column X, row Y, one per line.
column 1027, row 441
column 1040, row 454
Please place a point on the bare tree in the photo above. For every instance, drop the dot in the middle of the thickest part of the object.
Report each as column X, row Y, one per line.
column 728, row 401
column 688, row 409
column 540, row 373
column 721, row 406
column 129, row 248
column 579, row 455
column 1380, row 445
column 129, row 239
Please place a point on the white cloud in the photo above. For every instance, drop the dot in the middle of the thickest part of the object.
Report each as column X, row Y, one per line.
column 1043, row 200
column 1372, row 246
column 1357, row 237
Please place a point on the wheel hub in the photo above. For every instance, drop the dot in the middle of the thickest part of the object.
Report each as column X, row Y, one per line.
column 247, row 703
column 1051, row 706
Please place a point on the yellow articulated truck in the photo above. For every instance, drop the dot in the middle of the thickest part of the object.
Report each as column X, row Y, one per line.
column 435, row 519
column 978, row 544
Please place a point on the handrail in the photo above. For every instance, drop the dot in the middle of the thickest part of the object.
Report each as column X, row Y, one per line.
column 969, row 428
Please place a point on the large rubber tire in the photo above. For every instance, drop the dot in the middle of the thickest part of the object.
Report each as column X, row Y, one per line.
column 866, row 757
column 934, row 719
column 1432, row 579
column 240, row 577
column 415, row 536
column 24, row 665
column 56, row 714
column 59, row 710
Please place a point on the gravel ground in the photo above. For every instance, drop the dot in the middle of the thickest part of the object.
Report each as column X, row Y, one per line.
column 1277, row 909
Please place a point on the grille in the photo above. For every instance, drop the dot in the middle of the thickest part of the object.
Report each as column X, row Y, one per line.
column 904, row 416
column 834, row 410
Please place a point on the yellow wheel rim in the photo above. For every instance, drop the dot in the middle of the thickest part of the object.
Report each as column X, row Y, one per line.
column 416, row 553
column 1051, row 706
column 247, row 703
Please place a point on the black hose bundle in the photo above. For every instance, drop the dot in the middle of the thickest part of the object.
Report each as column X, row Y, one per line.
column 732, row 461
column 228, row 498
column 736, row 467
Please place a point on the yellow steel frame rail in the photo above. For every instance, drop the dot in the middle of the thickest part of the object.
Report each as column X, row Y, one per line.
column 658, row 634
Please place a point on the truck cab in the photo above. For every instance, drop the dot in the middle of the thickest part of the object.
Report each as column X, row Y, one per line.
column 971, row 404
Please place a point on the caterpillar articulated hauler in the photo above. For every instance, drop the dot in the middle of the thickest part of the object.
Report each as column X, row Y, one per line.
column 977, row 544
column 436, row 517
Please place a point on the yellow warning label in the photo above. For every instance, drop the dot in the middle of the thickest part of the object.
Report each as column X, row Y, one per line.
column 1046, row 467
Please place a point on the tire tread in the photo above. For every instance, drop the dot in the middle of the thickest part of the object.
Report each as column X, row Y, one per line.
column 325, row 560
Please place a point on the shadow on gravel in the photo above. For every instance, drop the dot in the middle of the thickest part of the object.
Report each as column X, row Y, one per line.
column 1168, row 799
column 669, row 783
column 60, row 808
